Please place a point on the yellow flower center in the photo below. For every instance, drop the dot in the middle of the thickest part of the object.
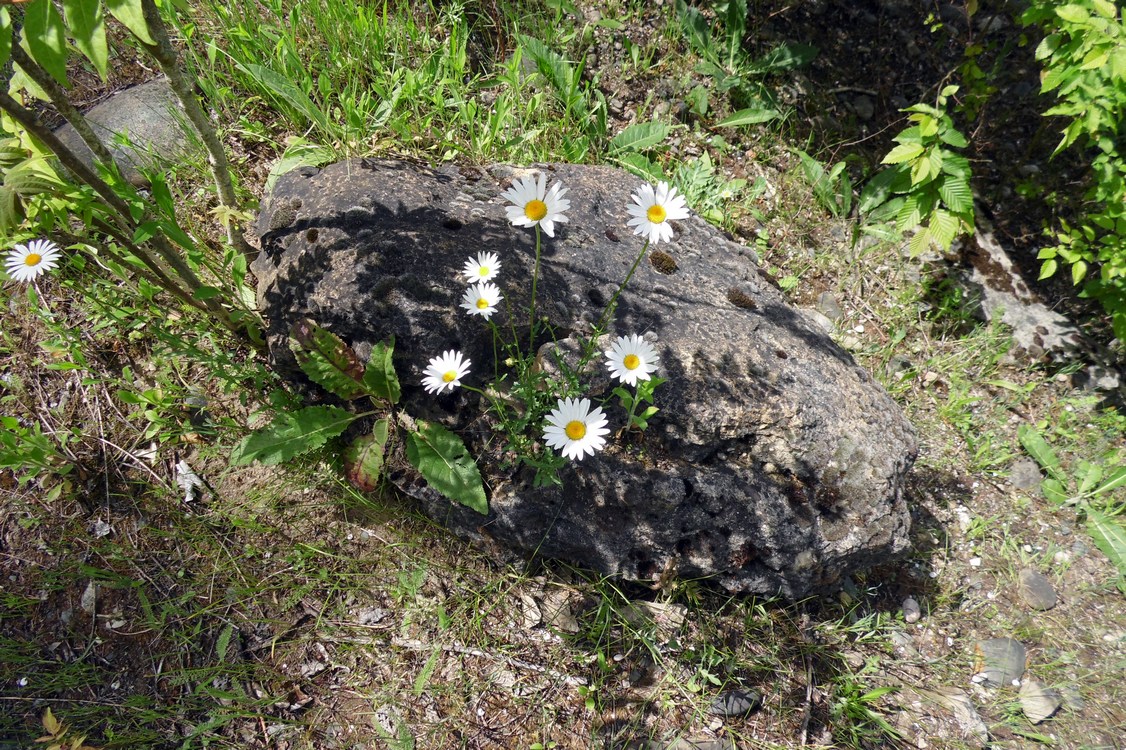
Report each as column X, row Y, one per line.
column 482, row 303
column 575, row 430
column 450, row 376
column 32, row 259
column 631, row 361
column 483, row 271
column 656, row 214
column 535, row 209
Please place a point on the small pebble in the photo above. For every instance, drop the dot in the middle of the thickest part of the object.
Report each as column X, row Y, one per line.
column 975, row 562
column 911, row 610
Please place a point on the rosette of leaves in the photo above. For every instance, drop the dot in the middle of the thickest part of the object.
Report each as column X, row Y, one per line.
column 437, row 453
column 927, row 183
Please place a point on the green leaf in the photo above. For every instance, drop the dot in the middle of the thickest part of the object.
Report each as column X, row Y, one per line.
column 920, row 170
column 952, row 137
column 132, row 17
column 786, row 57
column 11, row 211
column 943, row 228
column 1078, row 271
column 379, row 377
column 86, row 23
column 1073, row 13
column 1049, row 268
column 327, row 360
column 46, row 40
column 1040, row 451
column 444, row 461
column 285, row 89
column 735, row 25
column 956, row 194
column 696, row 29
column 639, row 137
column 902, row 153
column 290, row 434
column 5, row 36
column 642, row 166
column 363, row 459
column 300, row 153
column 1089, row 475
column 1109, row 535
column 27, row 181
column 749, row 116
column 223, row 642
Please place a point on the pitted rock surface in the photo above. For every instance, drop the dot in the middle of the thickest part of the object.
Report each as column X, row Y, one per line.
column 776, row 464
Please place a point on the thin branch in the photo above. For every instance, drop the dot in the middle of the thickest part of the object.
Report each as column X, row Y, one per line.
column 166, row 58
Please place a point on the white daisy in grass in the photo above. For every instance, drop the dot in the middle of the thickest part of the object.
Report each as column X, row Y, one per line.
column 27, row 262
column 631, row 359
column 445, row 372
column 483, row 268
column 532, row 204
column 653, row 209
column 481, row 299
column 574, row 430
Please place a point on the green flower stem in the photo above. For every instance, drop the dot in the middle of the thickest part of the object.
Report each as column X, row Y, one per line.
column 633, row 405
column 532, row 306
column 614, row 300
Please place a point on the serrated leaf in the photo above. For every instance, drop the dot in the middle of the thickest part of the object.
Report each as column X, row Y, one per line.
column 952, row 137
column 1089, row 475
column 27, row 181
column 911, row 213
column 902, row 153
column 131, row 15
column 919, row 244
column 1117, row 479
column 1109, row 535
column 444, row 461
column 639, row 137
column 223, row 642
column 943, row 228
column 46, row 40
column 551, row 66
column 327, row 360
column 749, row 116
column 877, row 190
column 921, row 171
column 1072, row 13
column 379, row 376
column 290, row 434
column 956, row 194
column 86, row 23
column 363, row 459
column 1040, row 451
column 11, row 211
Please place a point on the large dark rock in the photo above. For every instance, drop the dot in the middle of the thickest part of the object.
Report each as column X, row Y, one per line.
column 776, row 464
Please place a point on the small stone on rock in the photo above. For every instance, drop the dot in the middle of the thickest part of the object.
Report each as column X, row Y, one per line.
column 1038, row 702
column 735, row 703
column 911, row 610
column 1025, row 474
column 828, row 305
column 1036, row 590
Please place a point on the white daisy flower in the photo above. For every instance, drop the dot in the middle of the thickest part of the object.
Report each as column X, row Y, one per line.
column 631, row 359
column 533, row 204
column 27, row 262
column 445, row 372
column 481, row 299
column 653, row 209
column 574, row 429
column 484, row 268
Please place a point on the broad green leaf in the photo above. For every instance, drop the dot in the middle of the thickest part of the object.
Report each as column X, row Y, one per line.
column 300, row 154
column 696, row 29
column 86, row 23
column 285, row 89
column 749, row 116
column 1109, row 535
column 327, row 360
column 290, row 434
column 1078, row 271
column 943, row 228
column 642, row 166
column 46, row 40
column 1040, row 451
column 11, row 212
column 786, row 57
column 639, row 137
column 735, row 25
column 877, row 190
column 902, row 153
column 444, row 461
column 921, row 170
column 911, row 214
column 1049, row 268
column 952, row 137
column 363, row 459
column 1073, row 13
column 1105, row 8
column 379, row 376
column 956, row 194
column 1089, row 474
column 920, row 243
column 5, row 36
column 130, row 14
column 1117, row 479
column 27, row 181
